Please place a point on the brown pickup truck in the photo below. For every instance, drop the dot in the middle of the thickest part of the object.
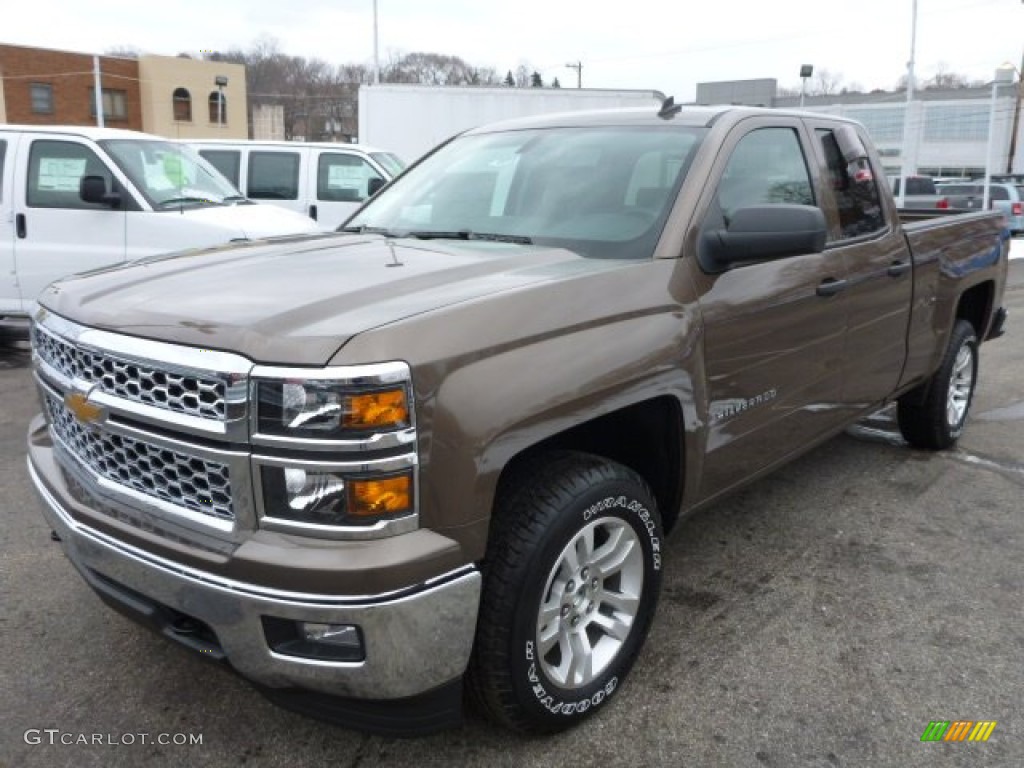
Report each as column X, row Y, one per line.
column 442, row 448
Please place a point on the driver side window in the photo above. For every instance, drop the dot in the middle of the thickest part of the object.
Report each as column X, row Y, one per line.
column 767, row 166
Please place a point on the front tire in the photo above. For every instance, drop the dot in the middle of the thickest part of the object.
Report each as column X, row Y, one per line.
column 933, row 415
column 571, row 582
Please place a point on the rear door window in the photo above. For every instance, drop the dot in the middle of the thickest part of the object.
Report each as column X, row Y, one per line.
column 227, row 161
column 856, row 192
column 274, row 175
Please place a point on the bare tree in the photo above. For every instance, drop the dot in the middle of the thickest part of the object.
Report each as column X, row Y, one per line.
column 123, row 51
column 522, row 75
column 825, row 83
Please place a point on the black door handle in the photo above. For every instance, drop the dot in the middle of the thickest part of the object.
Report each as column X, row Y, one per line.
column 312, row 212
column 831, row 287
column 19, row 225
column 899, row 268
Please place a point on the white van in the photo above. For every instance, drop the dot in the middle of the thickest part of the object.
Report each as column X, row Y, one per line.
column 324, row 181
column 75, row 198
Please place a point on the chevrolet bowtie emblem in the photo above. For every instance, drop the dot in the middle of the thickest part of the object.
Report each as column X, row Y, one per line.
column 86, row 412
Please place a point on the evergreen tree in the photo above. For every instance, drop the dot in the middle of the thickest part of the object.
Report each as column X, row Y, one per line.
column 555, row 83
column 536, row 81
column 509, row 80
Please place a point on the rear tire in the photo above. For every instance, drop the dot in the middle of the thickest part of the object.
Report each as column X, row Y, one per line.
column 933, row 415
column 571, row 582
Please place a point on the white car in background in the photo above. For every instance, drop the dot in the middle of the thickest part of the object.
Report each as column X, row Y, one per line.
column 325, row 181
column 74, row 198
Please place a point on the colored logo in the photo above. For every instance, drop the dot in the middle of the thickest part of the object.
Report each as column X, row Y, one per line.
column 86, row 412
column 958, row 730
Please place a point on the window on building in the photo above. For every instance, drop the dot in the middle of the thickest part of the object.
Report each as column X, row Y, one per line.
column 115, row 104
column 182, row 105
column 344, row 178
column 42, row 98
column 857, row 198
column 218, row 108
column 55, row 171
column 956, row 122
column 274, row 175
column 882, row 123
column 227, row 161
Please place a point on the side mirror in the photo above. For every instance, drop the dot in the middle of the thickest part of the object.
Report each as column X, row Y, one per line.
column 93, row 189
column 762, row 233
column 850, row 144
column 373, row 186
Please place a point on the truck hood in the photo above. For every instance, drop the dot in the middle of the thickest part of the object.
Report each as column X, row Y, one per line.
column 298, row 300
column 252, row 221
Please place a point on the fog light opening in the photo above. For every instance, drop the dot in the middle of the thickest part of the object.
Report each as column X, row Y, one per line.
column 314, row 640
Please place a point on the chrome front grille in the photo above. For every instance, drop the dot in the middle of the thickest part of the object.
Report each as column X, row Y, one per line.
column 183, row 393
column 193, row 483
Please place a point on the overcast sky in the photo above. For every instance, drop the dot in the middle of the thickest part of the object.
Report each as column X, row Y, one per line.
column 659, row 44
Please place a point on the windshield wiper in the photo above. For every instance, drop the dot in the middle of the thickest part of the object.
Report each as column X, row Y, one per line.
column 430, row 234
column 465, row 234
column 234, row 199
column 181, row 200
column 366, row 230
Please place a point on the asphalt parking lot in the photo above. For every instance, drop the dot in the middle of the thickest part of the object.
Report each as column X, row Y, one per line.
column 821, row 617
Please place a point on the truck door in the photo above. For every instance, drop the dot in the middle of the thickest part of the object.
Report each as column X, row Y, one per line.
column 10, row 298
column 773, row 329
column 880, row 282
column 339, row 185
column 58, row 233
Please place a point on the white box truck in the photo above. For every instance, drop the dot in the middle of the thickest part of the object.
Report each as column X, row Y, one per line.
column 412, row 119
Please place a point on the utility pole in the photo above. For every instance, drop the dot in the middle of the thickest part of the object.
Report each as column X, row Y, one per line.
column 1016, row 116
column 907, row 121
column 376, row 57
column 578, row 66
column 97, row 86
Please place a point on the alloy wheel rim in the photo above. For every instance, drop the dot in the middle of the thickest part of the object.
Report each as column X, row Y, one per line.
column 590, row 602
column 960, row 385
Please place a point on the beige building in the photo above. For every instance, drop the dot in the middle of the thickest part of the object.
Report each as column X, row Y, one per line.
column 181, row 98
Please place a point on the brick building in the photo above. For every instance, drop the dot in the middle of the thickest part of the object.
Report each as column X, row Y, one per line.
column 45, row 87
column 165, row 95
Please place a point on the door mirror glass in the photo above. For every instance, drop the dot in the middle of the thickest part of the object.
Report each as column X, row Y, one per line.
column 93, row 189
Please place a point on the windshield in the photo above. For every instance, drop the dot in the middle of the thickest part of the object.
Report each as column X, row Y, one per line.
column 390, row 162
column 603, row 192
column 170, row 175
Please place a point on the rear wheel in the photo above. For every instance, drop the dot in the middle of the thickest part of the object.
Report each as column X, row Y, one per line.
column 933, row 415
column 571, row 581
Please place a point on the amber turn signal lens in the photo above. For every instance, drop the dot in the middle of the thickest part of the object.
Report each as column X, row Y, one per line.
column 377, row 409
column 387, row 496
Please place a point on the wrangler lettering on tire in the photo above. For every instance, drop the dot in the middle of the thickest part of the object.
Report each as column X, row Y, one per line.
column 571, row 582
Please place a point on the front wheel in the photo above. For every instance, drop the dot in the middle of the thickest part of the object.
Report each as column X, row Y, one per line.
column 571, row 582
column 933, row 416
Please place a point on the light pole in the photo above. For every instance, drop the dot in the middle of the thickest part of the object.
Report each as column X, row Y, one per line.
column 907, row 122
column 1015, row 123
column 578, row 66
column 221, row 81
column 376, row 58
column 806, row 71
column 1003, row 75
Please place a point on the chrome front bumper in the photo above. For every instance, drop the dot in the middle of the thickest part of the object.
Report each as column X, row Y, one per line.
column 415, row 640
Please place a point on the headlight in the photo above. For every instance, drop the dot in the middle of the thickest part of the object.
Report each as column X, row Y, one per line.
column 329, row 410
column 334, row 498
